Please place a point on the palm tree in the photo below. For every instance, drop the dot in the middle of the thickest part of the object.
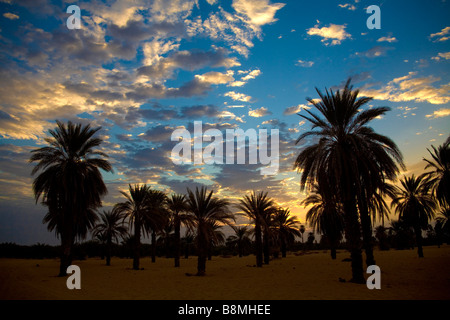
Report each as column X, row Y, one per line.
column 302, row 231
column 206, row 210
column 240, row 238
column 326, row 217
column 285, row 227
column 70, row 183
column 177, row 205
column 415, row 205
column 256, row 207
column 157, row 216
column 110, row 228
column 348, row 159
column 440, row 176
column 216, row 237
column 138, row 209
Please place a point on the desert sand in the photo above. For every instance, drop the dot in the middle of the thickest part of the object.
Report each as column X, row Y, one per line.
column 312, row 275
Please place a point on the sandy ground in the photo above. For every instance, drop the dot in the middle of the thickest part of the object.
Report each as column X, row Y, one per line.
column 309, row 276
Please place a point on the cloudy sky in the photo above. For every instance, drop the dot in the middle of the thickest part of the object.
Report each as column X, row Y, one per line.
column 141, row 69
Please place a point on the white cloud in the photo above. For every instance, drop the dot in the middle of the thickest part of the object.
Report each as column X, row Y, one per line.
column 443, row 35
column 10, row 16
column 442, row 55
column 348, row 6
column 252, row 75
column 257, row 12
column 154, row 50
column 295, row 109
column 387, row 39
column 443, row 112
column 408, row 88
column 257, row 113
column 335, row 33
column 304, row 63
column 238, row 96
column 214, row 77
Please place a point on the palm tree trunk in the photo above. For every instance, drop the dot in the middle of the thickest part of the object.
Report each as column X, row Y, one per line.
column 258, row 245
column 353, row 236
column 266, row 248
column 418, row 232
column 201, row 247
column 283, row 247
column 153, row 246
column 177, row 241
column 67, row 240
column 239, row 244
column 108, row 251
column 367, row 232
column 137, row 244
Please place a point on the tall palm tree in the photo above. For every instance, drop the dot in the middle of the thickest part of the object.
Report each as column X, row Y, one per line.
column 256, row 207
column 70, row 183
column 326, row 217
column 138, row 209
column 177, row 206
column 285, row 227
column 440, row 176
column 239, row 238
column 415, row 205
column 348, row 159
column 157, row 216
column 110, row 228
column 206, row 210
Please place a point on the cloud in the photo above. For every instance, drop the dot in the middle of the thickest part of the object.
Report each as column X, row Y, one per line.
column 238, row 96
column 214, row 77
column 295, row 109
column 305, row 64
column 409, row 88
column 387, row 39
column 10, row 16
column 237, row 29
column 374, row 52
column 443, row 35
column 257, row 113
column 442, row 55
column 443, row 112
column 256, row 12
column 188, row 60
column 347, row 6
column 335, row 33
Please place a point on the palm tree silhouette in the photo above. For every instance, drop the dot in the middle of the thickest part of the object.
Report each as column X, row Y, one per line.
column 348, row 159
column 440, row 176
column 177, row 206
column 139, row 211
column 257, row 207
column 326, row 217
column 302, row 231
column 70, row 183
column 206, row 210
column 415, row 205
column 110, row 228
column 240, row 238
column 157, row 216
column 285, row 227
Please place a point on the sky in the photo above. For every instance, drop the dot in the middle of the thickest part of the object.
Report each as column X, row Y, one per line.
column 142, row 69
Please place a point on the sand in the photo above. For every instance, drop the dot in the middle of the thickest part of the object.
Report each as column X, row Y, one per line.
column 297, row 277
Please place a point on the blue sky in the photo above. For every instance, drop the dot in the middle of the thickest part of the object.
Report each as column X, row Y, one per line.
column 140, row 69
